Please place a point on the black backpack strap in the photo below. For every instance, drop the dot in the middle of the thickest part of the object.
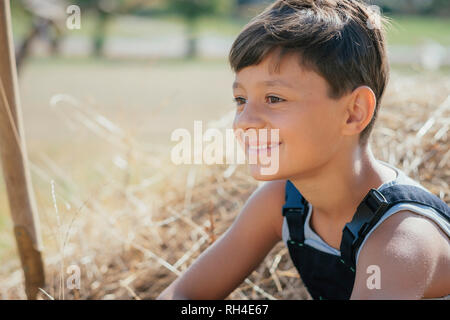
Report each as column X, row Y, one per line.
column 373, row 207
column 294, row 211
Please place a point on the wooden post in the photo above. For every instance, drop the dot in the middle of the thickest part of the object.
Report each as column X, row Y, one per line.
column 14, row 160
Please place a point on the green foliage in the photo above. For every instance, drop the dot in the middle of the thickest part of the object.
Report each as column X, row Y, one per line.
column 431, row 7
column 107, row 6
column 192, row 9
column 85, row 4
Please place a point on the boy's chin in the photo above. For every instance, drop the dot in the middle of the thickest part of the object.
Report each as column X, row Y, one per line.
column 260, row 173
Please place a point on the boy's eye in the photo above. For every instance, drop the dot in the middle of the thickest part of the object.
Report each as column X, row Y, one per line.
column 270, row 99
column 239, row 101
column 274, row 99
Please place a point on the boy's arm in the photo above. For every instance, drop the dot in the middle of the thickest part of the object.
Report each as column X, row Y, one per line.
column 409, row 254
column 227, row 262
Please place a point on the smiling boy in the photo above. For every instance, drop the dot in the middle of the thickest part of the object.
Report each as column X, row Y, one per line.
column 316, row 70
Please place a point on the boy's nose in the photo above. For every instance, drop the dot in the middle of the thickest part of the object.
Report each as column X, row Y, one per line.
column 249, row 118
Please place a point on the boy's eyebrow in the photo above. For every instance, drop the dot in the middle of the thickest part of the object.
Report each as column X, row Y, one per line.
column 267, row 83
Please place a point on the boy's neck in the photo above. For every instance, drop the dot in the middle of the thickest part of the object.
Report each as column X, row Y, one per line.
column 336, row 189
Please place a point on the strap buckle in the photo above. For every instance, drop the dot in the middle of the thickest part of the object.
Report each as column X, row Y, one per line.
column 375, row 200
column 293, row 207
column 287, row 210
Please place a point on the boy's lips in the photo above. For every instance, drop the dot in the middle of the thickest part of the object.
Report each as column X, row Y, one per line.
column 257, row 148
column 262, row 145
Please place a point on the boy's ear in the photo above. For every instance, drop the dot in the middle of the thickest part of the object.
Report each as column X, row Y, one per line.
column 359, row 110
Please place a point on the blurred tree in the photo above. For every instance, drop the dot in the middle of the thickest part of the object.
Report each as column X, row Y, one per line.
column 105, row 10
column 42, row 18
column 46, row 18
column 192, row 10
column 440, row 7
column 433, row 7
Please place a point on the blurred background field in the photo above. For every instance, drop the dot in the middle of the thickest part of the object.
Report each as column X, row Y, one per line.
column 99, row 106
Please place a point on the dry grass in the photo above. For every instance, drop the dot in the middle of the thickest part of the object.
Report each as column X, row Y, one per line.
column 146, row 221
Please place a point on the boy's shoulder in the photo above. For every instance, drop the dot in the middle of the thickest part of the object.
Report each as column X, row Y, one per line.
column 270, row 197
column 408, row 225
column 412, row 253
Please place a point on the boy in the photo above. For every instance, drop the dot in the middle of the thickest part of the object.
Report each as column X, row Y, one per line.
column 316, row 70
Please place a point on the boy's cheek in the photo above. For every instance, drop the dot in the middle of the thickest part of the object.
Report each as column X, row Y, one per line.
column 307, row 147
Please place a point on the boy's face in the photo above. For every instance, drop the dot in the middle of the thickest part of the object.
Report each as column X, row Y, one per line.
column 295, row 101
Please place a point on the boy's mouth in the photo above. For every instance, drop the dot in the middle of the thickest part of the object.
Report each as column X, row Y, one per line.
column 264, row 148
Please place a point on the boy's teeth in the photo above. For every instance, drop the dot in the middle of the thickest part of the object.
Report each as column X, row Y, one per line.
column 262, row 147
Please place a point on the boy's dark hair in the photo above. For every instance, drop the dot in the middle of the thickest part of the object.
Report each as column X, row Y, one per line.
column 338, row 39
